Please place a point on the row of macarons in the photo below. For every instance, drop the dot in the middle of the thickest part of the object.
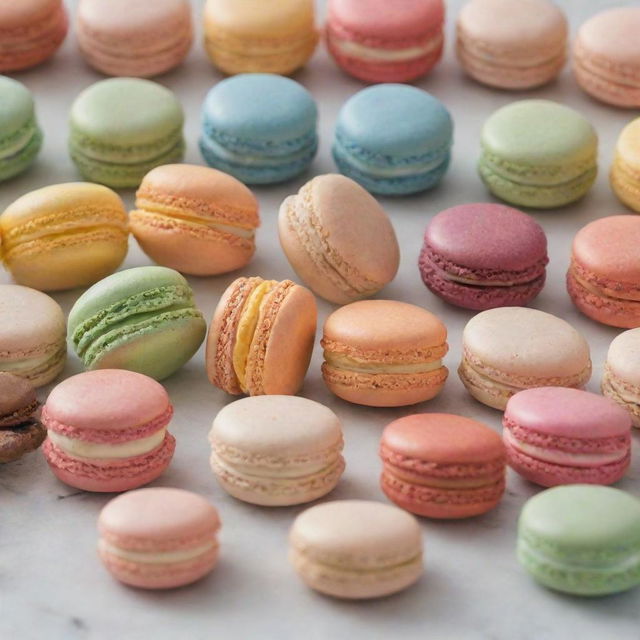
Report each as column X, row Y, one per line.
column 106, row 431
column 371, row 40
column 393, row 139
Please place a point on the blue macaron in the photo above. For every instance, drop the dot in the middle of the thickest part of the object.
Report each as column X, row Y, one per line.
column 259, row 127
column 393, row 139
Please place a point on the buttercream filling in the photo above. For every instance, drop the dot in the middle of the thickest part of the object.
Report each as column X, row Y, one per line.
column 619, row 388
column 356, row 50
column 601, row 293
column 19, row 143
column 340, row 361
column 556, row 456
column 99, row 450
column 225, row 228
column 247, row 159
column 27, row 364
column 483, row 382
column 158, row 557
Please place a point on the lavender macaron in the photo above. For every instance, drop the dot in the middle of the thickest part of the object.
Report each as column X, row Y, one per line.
column 481, row 256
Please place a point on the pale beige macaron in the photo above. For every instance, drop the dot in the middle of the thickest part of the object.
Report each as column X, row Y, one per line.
column 338, row 239
column 356, row 549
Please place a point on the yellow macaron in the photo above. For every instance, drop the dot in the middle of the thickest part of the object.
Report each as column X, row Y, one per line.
column 625, row 171
column 64, row 236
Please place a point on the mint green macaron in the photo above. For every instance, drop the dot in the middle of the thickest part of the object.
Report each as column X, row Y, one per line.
column 142, row 319
column 20, row 136
column 581, row 539
column 121, row 128
column 538, row 153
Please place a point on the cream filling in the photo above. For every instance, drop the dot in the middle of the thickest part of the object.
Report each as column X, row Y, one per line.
column 355, row 50
column 159, row 557
column 567, row 458
column 26, row 364
column 485, row 383
column 479, row 283
column 96, row 450
column 396, row 172
column 346, row 363
column 228, row 228
column 601, row 293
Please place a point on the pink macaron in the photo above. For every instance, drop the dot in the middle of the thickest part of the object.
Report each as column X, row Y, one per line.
column 158, row 538
column 481, row 256
column 107, row 430
column 556, row 435
column 382, row 41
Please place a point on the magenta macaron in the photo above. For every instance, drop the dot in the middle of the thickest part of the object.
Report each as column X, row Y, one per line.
column 481, row 256
column 107, row 430
column 556, row 435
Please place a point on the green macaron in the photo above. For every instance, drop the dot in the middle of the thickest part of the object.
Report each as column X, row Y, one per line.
column 122, row 128
column 142, row 319
column 581, row 539
column 538, row 153
column 20, row 136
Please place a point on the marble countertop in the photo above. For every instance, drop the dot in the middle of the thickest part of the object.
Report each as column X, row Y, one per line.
column 52, row 585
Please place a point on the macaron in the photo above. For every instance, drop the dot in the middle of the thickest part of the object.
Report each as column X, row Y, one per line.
column 107, row 430
column 581, row 539
column 251, row 36
column 259, row 127
column 604, row 274
column 378, row 41
column 384, row 353
column 64, row 236
column 625, row 170
column 442, row 466
column 261, row 337
column 621, row 377
column 482, row 255
column 121, row 128
column 194, row 219
column 134, row 37
column 393, row 139
column 158, row 538
column 606, row 56
column 555, row 436
column 32, row 335
column 338, row 239
column 142, row 319
column 509, row 349
column 356, row 549
column 525, row 48
column 20, row 134
column 276, row 450
column 20, row 429
column 538, row 153
column 32, row 31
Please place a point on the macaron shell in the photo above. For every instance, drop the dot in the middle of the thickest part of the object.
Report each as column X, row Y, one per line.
column 18, row 400
column 19, row 440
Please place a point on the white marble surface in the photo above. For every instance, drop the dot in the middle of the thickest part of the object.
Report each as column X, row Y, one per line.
column 51, row 583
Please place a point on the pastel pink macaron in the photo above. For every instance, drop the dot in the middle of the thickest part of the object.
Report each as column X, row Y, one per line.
column 107, row 430
column 382, row 41
column 134, row 37
column 158, row 538
column 482, row 255
column 30, row 32
column 556, row 435
column 606, row 56
column 604, row 275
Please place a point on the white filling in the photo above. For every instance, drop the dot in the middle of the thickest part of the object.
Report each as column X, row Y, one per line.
column 236, row 231
column 95, row 450
column 25, row 365
column 159, row 557
column 363, row 52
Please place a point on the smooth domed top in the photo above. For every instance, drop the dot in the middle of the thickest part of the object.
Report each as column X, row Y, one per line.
column 613, row 35
column 16, row 105
column 624, row 355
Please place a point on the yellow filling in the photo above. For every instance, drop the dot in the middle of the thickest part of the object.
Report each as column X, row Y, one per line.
column 340, row 361
column 246, row 329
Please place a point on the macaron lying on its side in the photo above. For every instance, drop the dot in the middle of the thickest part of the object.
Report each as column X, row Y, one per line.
column 538, row 153
column 64, row 236
column 481, row 256
column 107, row 430
column 276, row 450
column 261, row 337
column 142, row 319
column 509, row 349
column 356, row 549
column 581, row 539
column 159, row 538
column 625, row 170
column 20, row 134
column 379, row 41
column 384, row 353
column 558, row 436
column 338, row 239
column 121, row 128
column 194, row 219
